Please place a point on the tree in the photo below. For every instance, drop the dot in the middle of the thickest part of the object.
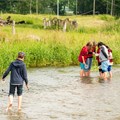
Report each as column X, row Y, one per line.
column 44, row 6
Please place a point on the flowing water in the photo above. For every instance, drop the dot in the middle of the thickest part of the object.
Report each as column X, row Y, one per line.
column 60, row 94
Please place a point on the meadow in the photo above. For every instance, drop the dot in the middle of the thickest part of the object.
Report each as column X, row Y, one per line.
column 53, row 47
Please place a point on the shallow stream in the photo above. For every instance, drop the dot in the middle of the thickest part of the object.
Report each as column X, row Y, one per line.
column 60, row 94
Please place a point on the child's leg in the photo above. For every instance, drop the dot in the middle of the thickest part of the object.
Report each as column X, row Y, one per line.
column 11, row 94
column 105, row 75
column 19, row 102
column 104, row 67
column 87, row 74
column 82, row 73
column 10, row 102
column 87, row 67
column 101, row 74
column 100, row 70
column 109, row 70
column 19, row 93
column 110, row 73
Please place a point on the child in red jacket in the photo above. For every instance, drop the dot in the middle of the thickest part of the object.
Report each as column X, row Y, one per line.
column 82, row 59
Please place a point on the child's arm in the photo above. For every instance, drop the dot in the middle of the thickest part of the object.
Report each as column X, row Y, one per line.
column 25, row 76
column 83, row 59
column 6, row 72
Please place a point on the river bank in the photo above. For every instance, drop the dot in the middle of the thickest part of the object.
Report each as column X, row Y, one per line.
column 53, row 47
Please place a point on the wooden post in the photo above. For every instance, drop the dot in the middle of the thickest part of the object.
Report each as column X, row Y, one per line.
column 94, row 1
column 37, row 7
column 30, row 6
column 76, row 6
column 58, row 23
column 57, row 8
column 107, row 8
column 111, row 12
column 13, row 27
column 68, row 5
column 49, row 23
column 44, row 23
column 64, row 27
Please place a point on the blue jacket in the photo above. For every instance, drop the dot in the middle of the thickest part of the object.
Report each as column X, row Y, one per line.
column 18, row 73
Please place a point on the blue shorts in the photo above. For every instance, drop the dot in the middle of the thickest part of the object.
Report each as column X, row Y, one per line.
column 19, row 89
column 104, row 66
column 82, row 66
column 109, row 68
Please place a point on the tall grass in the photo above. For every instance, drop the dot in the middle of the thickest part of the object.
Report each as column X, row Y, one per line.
column 53, row 47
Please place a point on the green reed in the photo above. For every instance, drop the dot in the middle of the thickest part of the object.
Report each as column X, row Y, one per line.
column 53, row 47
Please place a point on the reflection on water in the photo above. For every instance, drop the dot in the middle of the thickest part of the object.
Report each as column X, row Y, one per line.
column 60, row 94
column 86, row 80
column 16, row 115
column 91, row 80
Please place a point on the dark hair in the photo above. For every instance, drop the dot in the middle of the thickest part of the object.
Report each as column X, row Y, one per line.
column 100, row 44
column 21, row 55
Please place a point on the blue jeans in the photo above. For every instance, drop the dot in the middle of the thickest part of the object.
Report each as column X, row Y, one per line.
column 88, row 64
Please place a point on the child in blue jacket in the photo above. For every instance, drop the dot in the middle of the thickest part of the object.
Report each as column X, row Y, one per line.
column 17, row 77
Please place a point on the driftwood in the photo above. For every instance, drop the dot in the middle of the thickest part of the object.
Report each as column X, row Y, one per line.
column 8, row 21
column 20, row 22
column 58, row 23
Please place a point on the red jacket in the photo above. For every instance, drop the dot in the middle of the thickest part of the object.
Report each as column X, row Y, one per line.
column 110, row 55
column 97, row 58
column 84, row 52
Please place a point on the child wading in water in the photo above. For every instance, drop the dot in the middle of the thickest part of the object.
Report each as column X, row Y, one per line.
column 110, row 62
column 82, row 58
column 17, row 77
column 104, row 59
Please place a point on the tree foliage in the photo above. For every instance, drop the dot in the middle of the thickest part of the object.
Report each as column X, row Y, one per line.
column 50, row 6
